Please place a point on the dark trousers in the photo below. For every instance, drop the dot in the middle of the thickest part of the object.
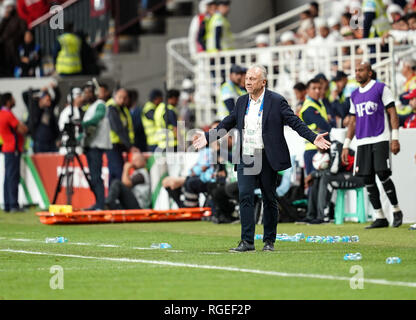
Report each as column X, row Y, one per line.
column 44, row 146
column 121, row 197
column 95, row 164
column 11, row 180
column 115, row 164
column 307, row 157
column 223, row 205
column 247, row 183
column 193, row 187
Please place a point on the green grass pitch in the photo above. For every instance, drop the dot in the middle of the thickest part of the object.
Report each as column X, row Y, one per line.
column 114, row 261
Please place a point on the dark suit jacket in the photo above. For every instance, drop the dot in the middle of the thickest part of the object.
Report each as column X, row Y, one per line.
column 276, row 114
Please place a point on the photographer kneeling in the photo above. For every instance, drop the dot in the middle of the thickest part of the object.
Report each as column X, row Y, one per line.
column 133, row 191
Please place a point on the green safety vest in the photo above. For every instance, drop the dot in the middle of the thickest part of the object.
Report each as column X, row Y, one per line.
column 222, row 111
column 227, row 40
column 161, row 127
column 381, row 24
column 322, row 111
column 125, row 119
column 149, row 124
column 68, row 60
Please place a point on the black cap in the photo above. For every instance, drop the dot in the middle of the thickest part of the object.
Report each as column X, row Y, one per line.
column 237, row 69
column 321, row 76
column 155, row 93
column 340, row 75
column 225, row 2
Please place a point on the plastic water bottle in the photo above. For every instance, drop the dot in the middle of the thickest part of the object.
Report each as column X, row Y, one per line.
column 355, row 238
column 352, row 256
column 160, row 246
column 56, row 240
column 258, row 237
column 392, row 260
column 346, row 239
column 310, row 239
column 301, row 236
column 337, row 239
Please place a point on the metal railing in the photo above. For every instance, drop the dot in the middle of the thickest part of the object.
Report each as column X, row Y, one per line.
column 180, row 65
column 388, row 70
column 286, row 65
column 74, row 11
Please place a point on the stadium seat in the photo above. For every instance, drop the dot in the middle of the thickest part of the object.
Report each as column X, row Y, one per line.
column 340, row 213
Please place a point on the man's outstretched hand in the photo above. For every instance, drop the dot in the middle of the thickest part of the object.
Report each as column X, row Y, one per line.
column 321, row 142
column 199, row 141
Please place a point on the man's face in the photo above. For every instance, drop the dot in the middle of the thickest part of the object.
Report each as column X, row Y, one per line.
column 157, row 100
column 236, row 78
column 324, row 32
column 412, row 103
column 11, row 103
column 300, row 94
column 121, row 97
column 45, row 102
column 362, row 74
column 224, row 9
column 314, row 91
column 340, row 84
column 78, row 101
column 173, row 101
column 311, row 32
column 103, row 93
column 254, row 81
column 28, row 38
column 243, row 80
column 88, row 94
column 412, row 23
column 211, row 9
column 406, row 69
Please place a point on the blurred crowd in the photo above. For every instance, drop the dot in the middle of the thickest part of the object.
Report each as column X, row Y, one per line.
column 22, row 56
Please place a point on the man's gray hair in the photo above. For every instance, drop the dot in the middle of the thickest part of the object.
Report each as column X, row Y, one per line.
column 410, row 62
column 262, row 69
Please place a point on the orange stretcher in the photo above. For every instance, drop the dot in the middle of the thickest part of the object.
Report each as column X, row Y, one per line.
column 65, row 215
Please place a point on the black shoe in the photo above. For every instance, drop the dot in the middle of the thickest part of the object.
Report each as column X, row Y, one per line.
column 268, row 246
column 243, row 246
column 316, row 221
column 17, row 210
column 379, row 223
column 304, row 221
column 398, row 219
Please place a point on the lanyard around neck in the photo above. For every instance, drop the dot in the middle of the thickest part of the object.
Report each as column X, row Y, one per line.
column 260, row 110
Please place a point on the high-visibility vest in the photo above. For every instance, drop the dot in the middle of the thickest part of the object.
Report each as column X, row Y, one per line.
column 69, row 57
column 227, row 39
column 126, row 120
column 228, row 90
column 149, row 124
column 410, row 84
column 161, row 127
column 381, row 24
column 322, row 111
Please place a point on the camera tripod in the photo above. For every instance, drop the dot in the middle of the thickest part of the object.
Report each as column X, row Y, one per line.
column 69, row 161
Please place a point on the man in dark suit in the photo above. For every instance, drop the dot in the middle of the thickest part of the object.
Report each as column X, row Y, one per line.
column 259, row 118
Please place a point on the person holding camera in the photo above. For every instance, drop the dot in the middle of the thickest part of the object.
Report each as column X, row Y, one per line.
column 96, row 128
column 42, row 122
column 68, row 118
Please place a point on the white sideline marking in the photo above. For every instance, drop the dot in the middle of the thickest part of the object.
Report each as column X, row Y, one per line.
column 196, row 266
column 91, row 244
